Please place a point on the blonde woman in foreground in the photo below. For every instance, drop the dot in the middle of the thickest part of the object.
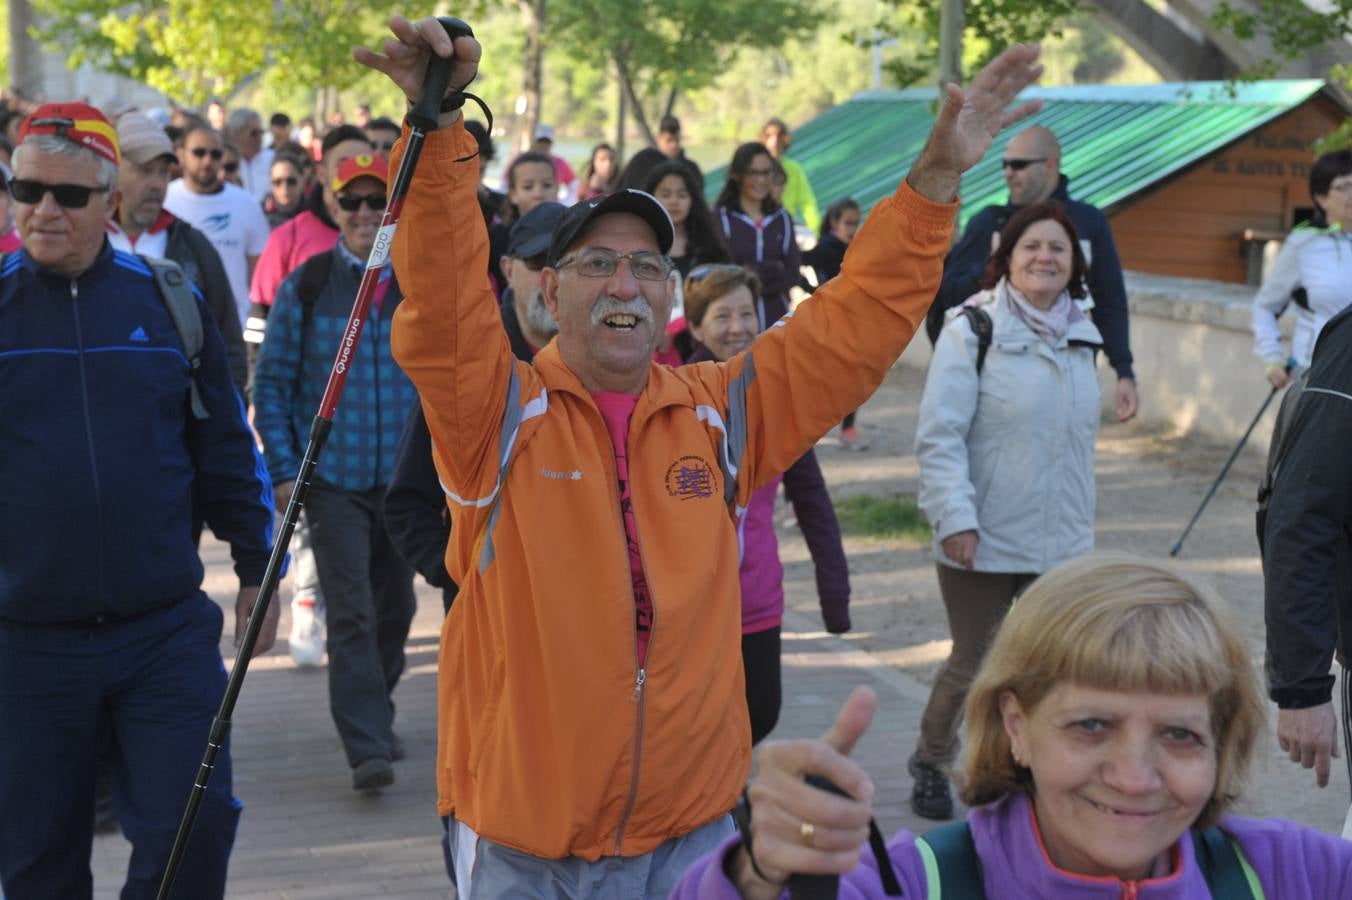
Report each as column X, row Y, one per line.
column 1109, row 731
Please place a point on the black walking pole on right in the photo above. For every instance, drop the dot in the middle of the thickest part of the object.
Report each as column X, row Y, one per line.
column 1225, row 470
column 422, row 118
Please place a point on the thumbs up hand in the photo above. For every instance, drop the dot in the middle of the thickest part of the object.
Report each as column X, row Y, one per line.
column 800, row 829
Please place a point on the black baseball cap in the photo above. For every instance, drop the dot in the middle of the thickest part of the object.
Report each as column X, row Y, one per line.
column 578, row 216
column 530, row 234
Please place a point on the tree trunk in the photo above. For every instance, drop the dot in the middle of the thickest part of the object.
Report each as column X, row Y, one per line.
column 25, row 59
column 619, row 126
column 952, row 19
column 627, row 84
column 671, row 102
column 532, row 83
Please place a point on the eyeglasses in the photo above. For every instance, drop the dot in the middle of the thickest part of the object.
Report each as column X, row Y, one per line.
column 199, row 152
column 759, row 173
column 647, row 265
column 68, row 196
column 231, row 168
column 353, row 202
column 289, row 181
column 1018, row 165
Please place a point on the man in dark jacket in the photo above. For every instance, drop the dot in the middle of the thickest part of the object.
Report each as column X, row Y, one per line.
column 1032, row 167
column 415, row 504
column 1307, row 556
column 368, row 588
column 102, row 615
column 144, row 226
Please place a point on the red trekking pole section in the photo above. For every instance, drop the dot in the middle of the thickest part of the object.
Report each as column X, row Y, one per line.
column 422, row 118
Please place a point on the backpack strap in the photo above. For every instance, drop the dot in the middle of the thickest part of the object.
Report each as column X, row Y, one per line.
column 984, row 329
column 952, row 868
column 1226, row 870
column 183, row 309
column 314, row 274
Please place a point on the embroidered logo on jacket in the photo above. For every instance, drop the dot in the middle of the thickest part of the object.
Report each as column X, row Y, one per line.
column 139, row 335
column 555, row 475
column 691, row 478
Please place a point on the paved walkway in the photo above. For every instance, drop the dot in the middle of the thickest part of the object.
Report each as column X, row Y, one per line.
column 306, row 834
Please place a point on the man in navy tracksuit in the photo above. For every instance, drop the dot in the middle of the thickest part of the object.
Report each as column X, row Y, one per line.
column 103, row 623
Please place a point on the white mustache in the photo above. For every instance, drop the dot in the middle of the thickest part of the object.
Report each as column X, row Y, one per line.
column 613, row 306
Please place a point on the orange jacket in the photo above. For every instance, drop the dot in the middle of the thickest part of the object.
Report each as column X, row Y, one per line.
column 553, row 742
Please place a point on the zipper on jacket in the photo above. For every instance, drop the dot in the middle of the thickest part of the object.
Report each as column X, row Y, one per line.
column 639, row 697
column 1131, row 890
column 89, row 431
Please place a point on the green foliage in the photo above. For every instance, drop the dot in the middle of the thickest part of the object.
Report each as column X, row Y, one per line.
column 885, row 517
column 1295, row 31
column 192, row 49
column 670, row 47
column 991, row 26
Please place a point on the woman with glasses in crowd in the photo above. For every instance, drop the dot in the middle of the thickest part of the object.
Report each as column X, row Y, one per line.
column 1005, row 443
column 721, row 313
column 286, row 197
column 757, row 229
column 1313, row 271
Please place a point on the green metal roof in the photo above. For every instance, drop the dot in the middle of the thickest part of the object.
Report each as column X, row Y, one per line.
column 1116, row 140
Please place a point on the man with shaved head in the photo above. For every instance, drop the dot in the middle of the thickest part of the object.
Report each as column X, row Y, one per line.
column 1032, row 167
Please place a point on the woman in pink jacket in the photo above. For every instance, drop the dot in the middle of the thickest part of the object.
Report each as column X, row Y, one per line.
column 720, row 309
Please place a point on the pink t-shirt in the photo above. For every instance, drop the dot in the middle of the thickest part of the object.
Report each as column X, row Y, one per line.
column 616, row 409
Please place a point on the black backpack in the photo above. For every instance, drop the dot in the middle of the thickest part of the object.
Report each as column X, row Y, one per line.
column 1277, row 449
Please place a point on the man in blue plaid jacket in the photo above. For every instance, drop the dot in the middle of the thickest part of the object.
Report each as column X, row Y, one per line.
column 367, row 585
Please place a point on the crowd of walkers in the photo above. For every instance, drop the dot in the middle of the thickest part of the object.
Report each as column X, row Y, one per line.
column 555, row 406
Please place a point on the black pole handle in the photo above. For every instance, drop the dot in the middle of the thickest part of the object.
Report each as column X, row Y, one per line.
column 424, row 113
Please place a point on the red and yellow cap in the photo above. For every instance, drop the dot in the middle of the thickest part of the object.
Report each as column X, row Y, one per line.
column 363, row 165
column 78, row 123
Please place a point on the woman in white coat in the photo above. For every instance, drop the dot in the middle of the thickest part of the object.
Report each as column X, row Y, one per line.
column 1313, row 271
column 1005, row 444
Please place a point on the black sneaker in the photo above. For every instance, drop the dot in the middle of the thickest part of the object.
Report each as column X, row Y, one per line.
column 372, row 774
column 932, row 795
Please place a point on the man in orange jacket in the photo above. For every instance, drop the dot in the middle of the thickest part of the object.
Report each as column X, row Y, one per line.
column 593, row 719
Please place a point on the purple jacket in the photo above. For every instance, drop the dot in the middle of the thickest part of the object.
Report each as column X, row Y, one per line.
column 770, row 250
column 762, row 574
column 1292, row 862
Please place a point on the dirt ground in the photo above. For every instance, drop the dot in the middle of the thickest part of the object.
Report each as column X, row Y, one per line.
column 1149, row 484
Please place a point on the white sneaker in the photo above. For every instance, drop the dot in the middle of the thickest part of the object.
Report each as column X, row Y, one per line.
column 307, row 632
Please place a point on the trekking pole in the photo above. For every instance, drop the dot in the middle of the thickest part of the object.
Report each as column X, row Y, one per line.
column 422, row 118
column 1225, row 469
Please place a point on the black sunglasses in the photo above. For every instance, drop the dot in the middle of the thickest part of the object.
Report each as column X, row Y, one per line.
column 289, row 181
column 353, row 202
column 1018, row 165
column 69, row 196
column 199, row 152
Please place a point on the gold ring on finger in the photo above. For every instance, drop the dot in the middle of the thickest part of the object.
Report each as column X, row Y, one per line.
column 806, row 831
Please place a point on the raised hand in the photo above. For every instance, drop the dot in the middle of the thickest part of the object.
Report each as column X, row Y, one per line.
column 797, row 828
column 407, row 53
column 970, row 119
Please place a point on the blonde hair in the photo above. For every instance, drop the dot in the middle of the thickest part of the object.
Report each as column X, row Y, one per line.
column 1115, row 622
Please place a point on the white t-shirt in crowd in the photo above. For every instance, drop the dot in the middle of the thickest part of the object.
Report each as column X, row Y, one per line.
column 233, row 222
column 255, row 173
